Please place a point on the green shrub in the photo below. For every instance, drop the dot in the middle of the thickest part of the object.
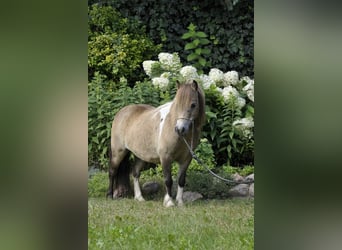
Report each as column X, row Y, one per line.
column 116, row 46
column 207, row 185
column 243, row 171
column 205, row 153
column 98, row 185
column 228, row 24
column 197, row 51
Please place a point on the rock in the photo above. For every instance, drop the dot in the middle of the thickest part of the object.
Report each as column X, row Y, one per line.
column 236, row 177
column 191, row 196
column 251, row 190
column 239, row 190
column 250, row 177
column 150, row 187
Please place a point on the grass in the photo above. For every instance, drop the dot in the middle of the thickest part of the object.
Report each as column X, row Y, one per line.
column 128, row 224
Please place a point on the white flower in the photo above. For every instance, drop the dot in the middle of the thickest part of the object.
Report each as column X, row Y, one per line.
column 189, row 72
column 229, row 91
column 241, row 102
column 160, row 82
column 169, row 62
column 244, row 122
column 230, row 78
column 147, row 65
column 249, row 89
column 216, row 75
column 245, row 125
column 206, row 81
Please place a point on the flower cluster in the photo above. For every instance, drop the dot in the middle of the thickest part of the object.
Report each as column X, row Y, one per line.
column 160, row 82
column 217, row 76
column 169, row 62
column 189, row 72
column 245, row 125
column 231, row 78
column 147, row 65
column 249, row 88
column 206, row 81
column 228, row 84
column 231, row 92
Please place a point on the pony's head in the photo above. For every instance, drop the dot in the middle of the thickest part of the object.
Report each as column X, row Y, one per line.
column 189, row 107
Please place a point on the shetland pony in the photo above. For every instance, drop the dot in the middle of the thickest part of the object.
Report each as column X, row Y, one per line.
column 154, row 135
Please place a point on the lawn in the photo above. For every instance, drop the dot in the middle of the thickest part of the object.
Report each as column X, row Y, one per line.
column 128, row 224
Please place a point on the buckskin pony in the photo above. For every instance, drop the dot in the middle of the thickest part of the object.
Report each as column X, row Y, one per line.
column 154, row 135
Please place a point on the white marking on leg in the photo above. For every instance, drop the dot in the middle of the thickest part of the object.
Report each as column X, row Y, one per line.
column 163, row 111
column 179, row 197
column 168, row 201
column 137, row 191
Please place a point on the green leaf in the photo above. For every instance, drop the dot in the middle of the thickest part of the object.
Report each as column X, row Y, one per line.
column 201, row 34
column 94, row 139
column 198, row 51
column 187, row 35
column 189, row 46
column 191, row 27
column 205, row 51
column 202, row 61
column 204, row 41
column 192, row 57
column 196, row 42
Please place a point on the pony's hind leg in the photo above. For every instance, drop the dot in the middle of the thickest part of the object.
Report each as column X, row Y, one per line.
column 117, row 158
column 138, row 166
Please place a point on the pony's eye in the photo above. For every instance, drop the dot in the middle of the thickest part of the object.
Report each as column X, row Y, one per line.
column 193, row 105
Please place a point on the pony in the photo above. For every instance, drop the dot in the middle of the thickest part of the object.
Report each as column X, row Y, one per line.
column 154, row 135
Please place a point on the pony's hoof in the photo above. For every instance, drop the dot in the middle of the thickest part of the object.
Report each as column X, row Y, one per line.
column 180, row 204
column 169, row 203
column 140, row 198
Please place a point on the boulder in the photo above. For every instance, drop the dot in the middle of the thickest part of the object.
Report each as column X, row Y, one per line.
column 239, row 190
column 251, row 190
column 150, row 187
column 236, row 177
column 250, row 177
column 191, row 196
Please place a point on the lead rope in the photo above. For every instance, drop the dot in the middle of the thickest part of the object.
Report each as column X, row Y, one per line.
column 201, row 163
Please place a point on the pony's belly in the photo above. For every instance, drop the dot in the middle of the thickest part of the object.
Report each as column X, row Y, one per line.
column 147, row 156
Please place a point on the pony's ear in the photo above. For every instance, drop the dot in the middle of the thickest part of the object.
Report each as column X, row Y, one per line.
column 194, row 85
column 178, row 84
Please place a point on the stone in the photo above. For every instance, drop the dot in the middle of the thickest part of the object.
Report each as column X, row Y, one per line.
column 237, row 178
column 251, row 190
column 239, row 190
column 250, row 177
column 191, row 196
column 150, row 187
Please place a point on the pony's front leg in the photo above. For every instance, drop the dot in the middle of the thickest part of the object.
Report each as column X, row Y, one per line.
column 181, row 182
column 166, row 164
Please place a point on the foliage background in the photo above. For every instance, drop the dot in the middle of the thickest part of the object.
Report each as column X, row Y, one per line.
column 228, row 24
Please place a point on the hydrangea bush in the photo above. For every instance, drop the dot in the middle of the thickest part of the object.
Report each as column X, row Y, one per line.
column 229, row 105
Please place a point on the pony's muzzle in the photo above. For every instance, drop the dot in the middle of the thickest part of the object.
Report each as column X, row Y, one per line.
column 182, row 126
